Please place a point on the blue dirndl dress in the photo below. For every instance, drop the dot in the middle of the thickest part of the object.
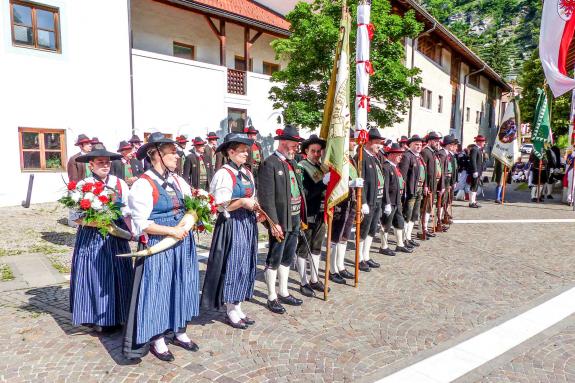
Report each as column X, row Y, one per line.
column 165, row 296
column 231, row 269
column 100, row 282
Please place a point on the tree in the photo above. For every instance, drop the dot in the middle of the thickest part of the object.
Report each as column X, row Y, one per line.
column 310, row 52
column 498, row 55
column 530, row 79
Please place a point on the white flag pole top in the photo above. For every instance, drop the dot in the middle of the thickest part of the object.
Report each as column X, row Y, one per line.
column 363, row 65
column 557, row 27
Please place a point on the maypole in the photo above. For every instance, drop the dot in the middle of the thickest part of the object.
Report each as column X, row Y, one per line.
column 363, row 70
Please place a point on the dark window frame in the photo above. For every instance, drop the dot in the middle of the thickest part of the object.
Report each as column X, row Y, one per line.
column 42, row 150
column 184, row 45
column 35, row 6
column 242, row 58
column 271, row 66
column 440, row 104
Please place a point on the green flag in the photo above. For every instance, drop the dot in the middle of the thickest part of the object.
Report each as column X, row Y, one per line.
column 541, row 133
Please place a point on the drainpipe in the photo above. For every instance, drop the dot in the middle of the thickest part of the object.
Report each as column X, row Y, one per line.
column 465, row 79
column 413, row 49
column 130, row 43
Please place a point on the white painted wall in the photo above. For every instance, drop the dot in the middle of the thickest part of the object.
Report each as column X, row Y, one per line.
column 85, row 89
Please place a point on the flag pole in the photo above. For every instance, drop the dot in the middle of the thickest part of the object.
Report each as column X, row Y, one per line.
column 539, row 180
column 504, row 185
column 327, row 257
column 358, row 211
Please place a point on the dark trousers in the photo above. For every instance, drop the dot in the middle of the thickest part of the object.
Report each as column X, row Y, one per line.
column 412, row 206
column 475, row 183
column 283, row 253
column 314, row 236
column 343, row 221
column 370, row 221
column 395, row 218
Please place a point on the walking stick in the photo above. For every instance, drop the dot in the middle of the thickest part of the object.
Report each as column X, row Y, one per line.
column 358, row 210
column 539, row 181
column 430, row 202
column 423, row 228
column 504, row 185
column 438, row 227
column 327, row 256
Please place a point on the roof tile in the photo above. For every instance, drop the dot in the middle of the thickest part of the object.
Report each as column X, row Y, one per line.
column 249, row 9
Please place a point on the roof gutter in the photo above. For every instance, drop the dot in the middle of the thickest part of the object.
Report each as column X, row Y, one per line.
column 192, row 5
column 465, row 80
column 414, row 43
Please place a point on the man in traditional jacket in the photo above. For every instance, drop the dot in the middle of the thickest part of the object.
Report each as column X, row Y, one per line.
column 392, row 195
column 449, row 164
column 372, row 194
column 280, row 195
column 216, row 159
column 127, row 167
column 413, row 170
column 311, row 240
column 197, row 170
column 76, row 170
column 475, row 168
column 181, row 142
column 255, row 155
column 433, row 179
column 404, row 142
column 136, row 142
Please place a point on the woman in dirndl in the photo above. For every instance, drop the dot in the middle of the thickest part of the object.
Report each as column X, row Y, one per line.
column 165, row 295
column 100, row 281
column 231, row 270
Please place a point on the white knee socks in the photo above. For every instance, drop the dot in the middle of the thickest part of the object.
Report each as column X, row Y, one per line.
column 473, row 197
column 302, row 270
column 314, row 265
column 341, row 247
column 384, row 244
column 283, row 273
column 427, row 216
column 361, row 246
column 367, row 247
column 271, row 276
column 399, row 236
column 232, row 313
column 333, row 260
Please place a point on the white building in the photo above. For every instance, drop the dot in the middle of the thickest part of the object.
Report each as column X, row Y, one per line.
column 66, row 71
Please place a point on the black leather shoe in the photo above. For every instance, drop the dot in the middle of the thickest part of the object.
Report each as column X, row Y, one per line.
column 474, row 205
column 420, row 237
column 164, row 357
column 307, row 291
column 275, row 307
column 249, row 321
column 430, row 234
column 190, row 346
column 318, row 286
column 549, row 196
column 336, row 278
column 533, row 199
column 413, row 243
column 408, row 245
column 373, row 264
column 387, row 251
column 290, row 300
column 346, row 274
column 363, row 266
column 403, row 249
column 241, row 325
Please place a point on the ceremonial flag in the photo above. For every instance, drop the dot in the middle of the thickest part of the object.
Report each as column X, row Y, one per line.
column 541, row 133
column 337, row 132
column 557, row 28
column 506, row 147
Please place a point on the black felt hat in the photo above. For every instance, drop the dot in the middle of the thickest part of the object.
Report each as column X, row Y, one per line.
column 289, row 133
column 374, row 134
column 313, row 139
column 414, row 138
column 231, row 138
column 85, row 158
column 135, row 140
column 447, row 140
column 156, row 139
column 82, row 139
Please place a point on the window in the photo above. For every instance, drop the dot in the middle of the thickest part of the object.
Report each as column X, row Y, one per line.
column 440, row 105
column 240, row 64
column 35, row 26
column 42, row 149
column 184, row 51
column 147, row 134
column 477, row 117
column 425, row 100
column 430, row 48
column 467, row 113
column 270, row 68
column 237, row 120
column 474, row 80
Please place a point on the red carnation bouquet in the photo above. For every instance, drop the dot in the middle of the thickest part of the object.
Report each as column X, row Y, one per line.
column 97, row 205
column 202, row 203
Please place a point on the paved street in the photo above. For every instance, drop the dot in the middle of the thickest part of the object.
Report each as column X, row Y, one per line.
column 455, row 286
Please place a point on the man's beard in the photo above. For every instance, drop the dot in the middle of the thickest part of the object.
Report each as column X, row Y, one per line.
column 290, row 156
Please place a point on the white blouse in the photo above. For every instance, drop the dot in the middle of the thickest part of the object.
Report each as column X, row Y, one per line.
column 141, row 201
column 222, row 186
column 112, row 183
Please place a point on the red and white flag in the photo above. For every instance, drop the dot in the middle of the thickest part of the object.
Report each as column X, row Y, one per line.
column 557, row 28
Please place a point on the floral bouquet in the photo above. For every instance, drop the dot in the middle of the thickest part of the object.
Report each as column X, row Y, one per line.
column 202, row 203
column 97, row 206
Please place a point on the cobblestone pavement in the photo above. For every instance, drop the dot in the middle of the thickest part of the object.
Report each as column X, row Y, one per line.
column 460, row 283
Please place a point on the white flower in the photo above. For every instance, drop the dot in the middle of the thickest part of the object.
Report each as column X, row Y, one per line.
column 97, row 204
column 203, row 193
column 89, row 196
column 76, row 196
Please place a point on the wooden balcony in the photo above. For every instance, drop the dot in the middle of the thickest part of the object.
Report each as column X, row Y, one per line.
column 237, row 82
